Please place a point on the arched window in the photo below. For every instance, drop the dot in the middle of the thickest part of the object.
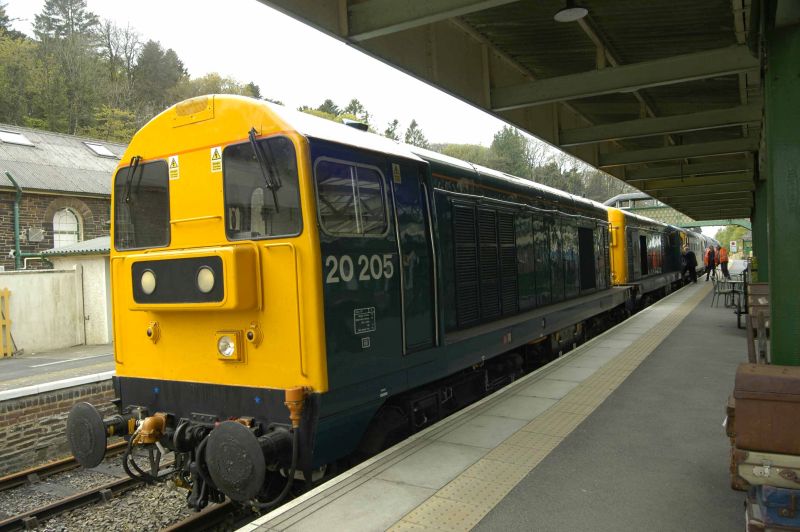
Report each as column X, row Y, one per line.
column 66, row 228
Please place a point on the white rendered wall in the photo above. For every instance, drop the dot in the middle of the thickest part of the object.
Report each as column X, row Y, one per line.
column 46, row 308
column 96, row 293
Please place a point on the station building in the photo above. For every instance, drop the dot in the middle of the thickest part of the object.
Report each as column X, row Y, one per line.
column 65, row 184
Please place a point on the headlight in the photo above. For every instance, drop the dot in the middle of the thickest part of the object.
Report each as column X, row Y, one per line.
column 148, row 282
column 226, row 346
column 205, row 279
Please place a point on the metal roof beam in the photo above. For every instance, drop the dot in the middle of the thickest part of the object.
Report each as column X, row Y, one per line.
column 706, row 196
column 693, row 181
column 627, row 78
column 375, row 18
column 683, row 170
column 701, row 188
column 701, row 202
column 685, row 151
column 661, row 125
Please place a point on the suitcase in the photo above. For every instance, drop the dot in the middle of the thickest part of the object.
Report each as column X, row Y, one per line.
column 771, row 508
column 767, row 401
column 758, row 468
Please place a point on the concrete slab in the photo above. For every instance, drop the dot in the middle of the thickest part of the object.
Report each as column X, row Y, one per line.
column 484, row 431
column 435, row 465
column 548, row 388
column 568, row 373
column 521, row 407
column 372, row 506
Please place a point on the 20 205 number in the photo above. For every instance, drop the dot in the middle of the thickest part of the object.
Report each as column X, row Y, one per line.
column 372, row 267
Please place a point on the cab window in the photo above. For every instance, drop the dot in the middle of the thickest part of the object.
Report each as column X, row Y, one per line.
column 141, row 206
column 351, row 199
column 261, row 202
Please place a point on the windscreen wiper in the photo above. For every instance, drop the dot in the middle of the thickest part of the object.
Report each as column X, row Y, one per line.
column 270, row 180
column 134, row 165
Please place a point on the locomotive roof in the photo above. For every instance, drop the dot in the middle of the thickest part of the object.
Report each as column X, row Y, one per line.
column 320, row 128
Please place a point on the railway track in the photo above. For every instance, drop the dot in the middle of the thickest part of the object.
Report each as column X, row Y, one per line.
column 33, row 518
column 41, row 472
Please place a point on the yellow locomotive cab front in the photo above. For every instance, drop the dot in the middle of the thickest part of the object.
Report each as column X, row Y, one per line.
column 216, row 263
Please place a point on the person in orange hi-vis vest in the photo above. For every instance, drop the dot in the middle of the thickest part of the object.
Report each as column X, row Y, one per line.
column 711, row 262
column 722, row 256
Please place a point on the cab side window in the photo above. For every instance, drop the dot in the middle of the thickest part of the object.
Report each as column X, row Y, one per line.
column 351, row 199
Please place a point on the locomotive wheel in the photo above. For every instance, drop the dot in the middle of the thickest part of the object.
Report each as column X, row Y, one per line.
column 235, row 461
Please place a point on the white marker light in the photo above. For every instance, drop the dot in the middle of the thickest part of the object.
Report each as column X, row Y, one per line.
column 205, row 279
column 148, row 282
column 226, row 346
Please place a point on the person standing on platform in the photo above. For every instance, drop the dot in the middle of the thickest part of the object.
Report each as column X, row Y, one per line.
column 711, row 262
column 722, row 255
column 690, row 264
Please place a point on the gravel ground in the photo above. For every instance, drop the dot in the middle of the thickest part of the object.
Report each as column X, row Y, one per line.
column 146, row 508
column 29, row 497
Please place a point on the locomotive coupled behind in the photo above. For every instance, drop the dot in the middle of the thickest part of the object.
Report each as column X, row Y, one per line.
column 288, row 292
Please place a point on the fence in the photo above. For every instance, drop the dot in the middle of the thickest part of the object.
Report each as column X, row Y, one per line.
column 7, row 343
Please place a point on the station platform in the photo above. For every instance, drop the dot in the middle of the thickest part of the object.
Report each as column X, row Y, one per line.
column 623, row 433
column 34, row 369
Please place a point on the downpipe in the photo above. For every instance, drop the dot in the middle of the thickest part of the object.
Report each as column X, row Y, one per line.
column 18, row 254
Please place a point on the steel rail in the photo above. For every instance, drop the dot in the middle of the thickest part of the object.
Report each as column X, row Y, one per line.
column 208, row 518
column 40, row 472
column 33, row 518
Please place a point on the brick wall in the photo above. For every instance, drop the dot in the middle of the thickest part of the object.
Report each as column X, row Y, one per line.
column 33, row 428
column 37, row 211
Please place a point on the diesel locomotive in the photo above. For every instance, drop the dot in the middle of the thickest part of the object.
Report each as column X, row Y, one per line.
column 289, row 293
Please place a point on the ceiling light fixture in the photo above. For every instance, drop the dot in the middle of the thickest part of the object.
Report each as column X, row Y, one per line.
column 570, row 12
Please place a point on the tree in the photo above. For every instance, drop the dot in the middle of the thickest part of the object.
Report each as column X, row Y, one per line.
column 251, row 89
column 67, row 32
column 474, row 153
column 391, row 130
column 60, row 19
column 329, row 107
column 415, row 136
column 20, row 77
column 510, row 153
column 111, row 124
column 155, row 76
column 5, row 24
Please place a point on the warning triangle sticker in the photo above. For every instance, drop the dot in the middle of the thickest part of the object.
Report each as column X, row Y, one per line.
column 174, row 163
column 215, row 155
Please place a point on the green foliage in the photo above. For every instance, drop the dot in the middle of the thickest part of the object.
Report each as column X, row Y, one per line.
column 156, row 76
column 61, row 19
column 212, row 83
column 329, row 107
column 728, row 233
column 473, row 153
column 19, row 70
column 111, row 124
column 415, row 136
column 391, row 130
column 509, row 153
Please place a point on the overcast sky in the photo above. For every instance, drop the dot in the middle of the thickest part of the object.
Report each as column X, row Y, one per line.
column 289, row 61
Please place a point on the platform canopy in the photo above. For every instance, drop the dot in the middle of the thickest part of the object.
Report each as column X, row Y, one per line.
column 665, row 95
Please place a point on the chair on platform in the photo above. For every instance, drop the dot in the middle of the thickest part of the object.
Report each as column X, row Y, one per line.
column 722, row 288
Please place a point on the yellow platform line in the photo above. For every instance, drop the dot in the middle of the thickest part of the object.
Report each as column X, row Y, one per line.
column 463, row 502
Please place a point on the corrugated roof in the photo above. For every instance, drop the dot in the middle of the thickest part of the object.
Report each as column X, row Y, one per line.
column 58, row 162
column 96, row 246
